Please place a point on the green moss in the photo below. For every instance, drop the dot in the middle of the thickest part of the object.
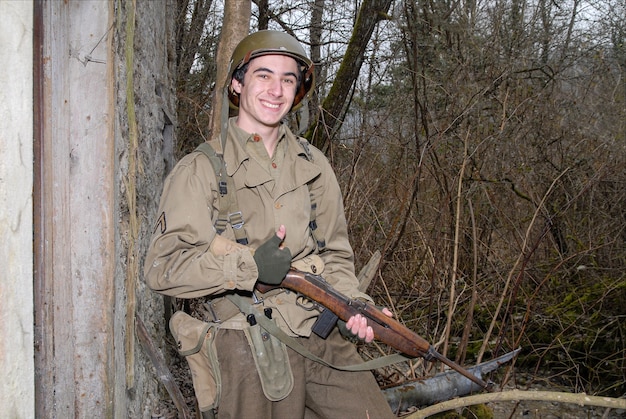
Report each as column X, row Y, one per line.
column 447, row 415
column 479, row 411
column 579, row 322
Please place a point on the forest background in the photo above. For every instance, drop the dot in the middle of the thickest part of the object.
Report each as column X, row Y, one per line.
column 481, row 149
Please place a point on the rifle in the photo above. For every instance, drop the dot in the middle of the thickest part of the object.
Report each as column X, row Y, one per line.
column 386, row 329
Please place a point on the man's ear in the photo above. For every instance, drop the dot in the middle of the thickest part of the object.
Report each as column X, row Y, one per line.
column 235, row 86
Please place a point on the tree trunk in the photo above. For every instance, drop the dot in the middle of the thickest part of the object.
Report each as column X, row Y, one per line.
column 334, row 105
column 317, row 13
column 235, row 28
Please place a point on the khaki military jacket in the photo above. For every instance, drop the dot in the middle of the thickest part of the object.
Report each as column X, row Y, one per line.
column 188, row 259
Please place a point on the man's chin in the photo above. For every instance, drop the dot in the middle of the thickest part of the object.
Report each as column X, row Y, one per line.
column 273, row 122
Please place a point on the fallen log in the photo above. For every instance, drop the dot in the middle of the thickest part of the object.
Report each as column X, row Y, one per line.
column 580, row 399
column 441, row 387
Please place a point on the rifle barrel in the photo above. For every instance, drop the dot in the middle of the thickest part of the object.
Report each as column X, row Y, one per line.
column 456, row 367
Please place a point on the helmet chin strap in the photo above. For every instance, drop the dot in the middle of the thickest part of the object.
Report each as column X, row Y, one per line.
column 224, row 120
column 302, row 116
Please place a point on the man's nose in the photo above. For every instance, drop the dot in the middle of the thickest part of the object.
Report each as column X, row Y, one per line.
column 276, row 88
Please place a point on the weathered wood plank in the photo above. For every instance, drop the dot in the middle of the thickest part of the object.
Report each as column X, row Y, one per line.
column 91, row 202
column 77, row 233
column 58, row 289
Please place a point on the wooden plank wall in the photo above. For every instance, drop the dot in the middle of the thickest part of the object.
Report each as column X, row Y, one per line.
column 74, row 200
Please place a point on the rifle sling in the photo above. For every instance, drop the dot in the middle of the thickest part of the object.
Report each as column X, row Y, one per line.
column 271, row 327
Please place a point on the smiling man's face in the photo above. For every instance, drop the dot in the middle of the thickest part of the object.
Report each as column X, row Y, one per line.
column 267, row 93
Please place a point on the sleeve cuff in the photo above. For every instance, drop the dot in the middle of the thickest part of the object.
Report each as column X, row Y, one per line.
column 240, row 271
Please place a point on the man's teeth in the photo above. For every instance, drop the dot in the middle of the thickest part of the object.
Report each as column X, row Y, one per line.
column 271, row 105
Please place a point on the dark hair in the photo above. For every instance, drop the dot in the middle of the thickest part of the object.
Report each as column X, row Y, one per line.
column 240, row 72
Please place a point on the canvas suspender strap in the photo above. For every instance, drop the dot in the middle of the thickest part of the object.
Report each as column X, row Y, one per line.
column 319, row 241
column 249, row 309
column 227, row 200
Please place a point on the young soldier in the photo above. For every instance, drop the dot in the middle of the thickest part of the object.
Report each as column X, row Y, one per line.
column 283, row 188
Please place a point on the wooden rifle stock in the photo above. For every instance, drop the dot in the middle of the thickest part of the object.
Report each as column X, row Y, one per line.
column 386, row 329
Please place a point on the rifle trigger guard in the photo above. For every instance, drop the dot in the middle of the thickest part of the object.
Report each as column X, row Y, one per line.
column 308, row 305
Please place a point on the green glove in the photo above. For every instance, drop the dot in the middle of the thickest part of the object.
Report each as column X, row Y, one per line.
column 343, row 329
column 273, row 262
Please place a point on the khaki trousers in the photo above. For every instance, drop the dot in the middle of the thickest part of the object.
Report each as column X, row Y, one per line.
column 319, row 391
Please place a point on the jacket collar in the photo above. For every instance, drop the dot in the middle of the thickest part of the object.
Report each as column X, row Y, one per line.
column 297, row 169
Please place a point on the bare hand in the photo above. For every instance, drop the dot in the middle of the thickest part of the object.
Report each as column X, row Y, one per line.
column 281, row 232
column 357, row 325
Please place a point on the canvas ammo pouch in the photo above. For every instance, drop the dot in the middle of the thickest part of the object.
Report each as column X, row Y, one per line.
column 272, row 363
column 195, row 340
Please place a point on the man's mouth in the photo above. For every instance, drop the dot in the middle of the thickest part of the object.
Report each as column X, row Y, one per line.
column 270, row 105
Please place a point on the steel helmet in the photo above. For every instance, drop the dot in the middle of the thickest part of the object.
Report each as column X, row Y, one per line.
column 268, row 42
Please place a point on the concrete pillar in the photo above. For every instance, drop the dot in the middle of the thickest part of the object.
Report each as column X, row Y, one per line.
column 16, row 209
